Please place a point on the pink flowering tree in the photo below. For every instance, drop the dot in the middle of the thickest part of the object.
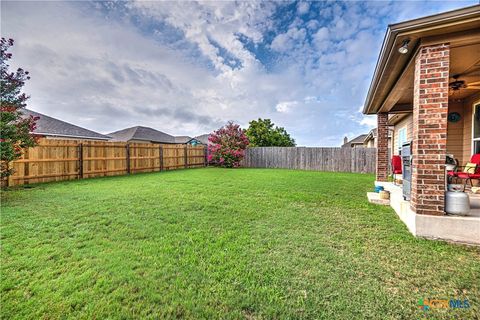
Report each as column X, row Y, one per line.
column 15, row 129
column 227, row 146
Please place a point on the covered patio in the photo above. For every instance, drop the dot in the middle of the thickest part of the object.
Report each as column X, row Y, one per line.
column 426, row 86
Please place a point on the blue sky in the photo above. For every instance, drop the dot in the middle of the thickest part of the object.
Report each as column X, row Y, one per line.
column 186, row 68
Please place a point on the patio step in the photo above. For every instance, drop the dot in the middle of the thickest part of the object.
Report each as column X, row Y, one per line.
column 374, row 198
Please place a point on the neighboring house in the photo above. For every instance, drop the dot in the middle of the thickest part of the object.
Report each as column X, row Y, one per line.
column 182, row 139
column 426, row 85
column 356, row 142
column 142, row 134
column 200, row 140
column 371, row 139
column 52, row 128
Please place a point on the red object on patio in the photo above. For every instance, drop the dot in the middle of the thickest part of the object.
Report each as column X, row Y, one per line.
column 467, row 176
column 396, row 166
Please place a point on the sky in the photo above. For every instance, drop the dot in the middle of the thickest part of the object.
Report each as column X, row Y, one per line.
column 186, row 68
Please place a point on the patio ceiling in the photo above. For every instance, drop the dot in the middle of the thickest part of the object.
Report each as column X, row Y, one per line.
column 464, row 61
column 391, row 89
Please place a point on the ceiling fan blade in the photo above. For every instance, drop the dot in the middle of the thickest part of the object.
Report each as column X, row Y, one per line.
column 473, row 87
column 475, row 83
column 474, row 69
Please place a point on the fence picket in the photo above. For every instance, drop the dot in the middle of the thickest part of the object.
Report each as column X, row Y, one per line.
column 361, row 160
column 54, row 160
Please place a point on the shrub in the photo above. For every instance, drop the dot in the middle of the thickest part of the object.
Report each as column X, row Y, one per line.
column 227, row 146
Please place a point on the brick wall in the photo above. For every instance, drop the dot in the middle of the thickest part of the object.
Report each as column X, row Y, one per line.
column 382, row 147
column 430, row 109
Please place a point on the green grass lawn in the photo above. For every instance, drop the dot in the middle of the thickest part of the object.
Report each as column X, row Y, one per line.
column 218, row 243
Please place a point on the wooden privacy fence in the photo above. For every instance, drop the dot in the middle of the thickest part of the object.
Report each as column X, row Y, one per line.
column 55, row 160
column 360, row 160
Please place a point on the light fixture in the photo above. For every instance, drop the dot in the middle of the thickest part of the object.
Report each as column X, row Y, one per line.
column 404, row 48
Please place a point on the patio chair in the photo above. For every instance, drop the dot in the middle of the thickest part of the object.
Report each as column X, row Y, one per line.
column 396, row 166
column 469, row 172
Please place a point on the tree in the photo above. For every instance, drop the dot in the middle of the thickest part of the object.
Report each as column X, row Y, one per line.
column 227, row 146
column 262, row 133
column 14, row 127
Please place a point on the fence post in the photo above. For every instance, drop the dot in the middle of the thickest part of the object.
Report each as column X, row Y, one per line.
column 205, row 156
column 127, row 147
column 185, row 156
column 80, row 161
column 352, row 157
column 6, row 180
column 161, row 157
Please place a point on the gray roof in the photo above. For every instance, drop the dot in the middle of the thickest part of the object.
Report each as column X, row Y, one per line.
column 142, row 133
column 203, row 138
column 373, row 134
column 182, row 139
column 357, row 140
column 49, row 126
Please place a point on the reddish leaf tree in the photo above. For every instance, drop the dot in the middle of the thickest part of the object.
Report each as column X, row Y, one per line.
column 15, row 129
column 227, row 146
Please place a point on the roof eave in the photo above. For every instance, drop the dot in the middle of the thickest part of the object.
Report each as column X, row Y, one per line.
column 69, row 136
column 394, row 31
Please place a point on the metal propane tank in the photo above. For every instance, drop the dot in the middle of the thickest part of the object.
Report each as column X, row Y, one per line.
column 457, row 203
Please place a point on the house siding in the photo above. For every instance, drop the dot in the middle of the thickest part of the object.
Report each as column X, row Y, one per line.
column 459, row 134
column 404, row 123
column 455, row 135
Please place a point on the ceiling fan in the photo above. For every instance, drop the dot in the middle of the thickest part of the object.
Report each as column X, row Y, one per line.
column 458, row 84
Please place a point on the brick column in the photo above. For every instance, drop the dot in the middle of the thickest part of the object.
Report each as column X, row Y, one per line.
column 430, row 109
column 382, row 147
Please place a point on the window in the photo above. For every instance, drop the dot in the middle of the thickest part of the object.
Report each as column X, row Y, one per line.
column 476, row 129
column 402, row 138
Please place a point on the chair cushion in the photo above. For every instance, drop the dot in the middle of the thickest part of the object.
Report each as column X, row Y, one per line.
column 470, row 167
column 452, row 173
column 464, row 175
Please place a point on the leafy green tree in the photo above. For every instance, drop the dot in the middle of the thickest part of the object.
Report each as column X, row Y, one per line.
column 264, row 133
column 15, row 129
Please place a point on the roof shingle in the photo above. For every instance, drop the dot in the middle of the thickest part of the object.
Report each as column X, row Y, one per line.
column 49, row 126
column 142, row 133
column 357, row 140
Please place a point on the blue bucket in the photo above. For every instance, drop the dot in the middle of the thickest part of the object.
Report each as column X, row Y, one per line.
column 378, row 189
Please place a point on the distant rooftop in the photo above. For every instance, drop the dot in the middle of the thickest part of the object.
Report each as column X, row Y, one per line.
column 143, row 134
column 358, row 140
column 48, row 126
column 182, row 139
column 203, row 138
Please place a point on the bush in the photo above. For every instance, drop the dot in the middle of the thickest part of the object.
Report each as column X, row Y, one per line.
column 227, row 146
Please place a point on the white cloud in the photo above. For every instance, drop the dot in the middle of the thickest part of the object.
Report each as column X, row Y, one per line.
column 303, row 8
column 369, row 121
column 294, row 37
column 286, row 106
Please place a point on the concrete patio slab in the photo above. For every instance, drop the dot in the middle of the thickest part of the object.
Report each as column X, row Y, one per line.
column 374, row 198
column 463, row 229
